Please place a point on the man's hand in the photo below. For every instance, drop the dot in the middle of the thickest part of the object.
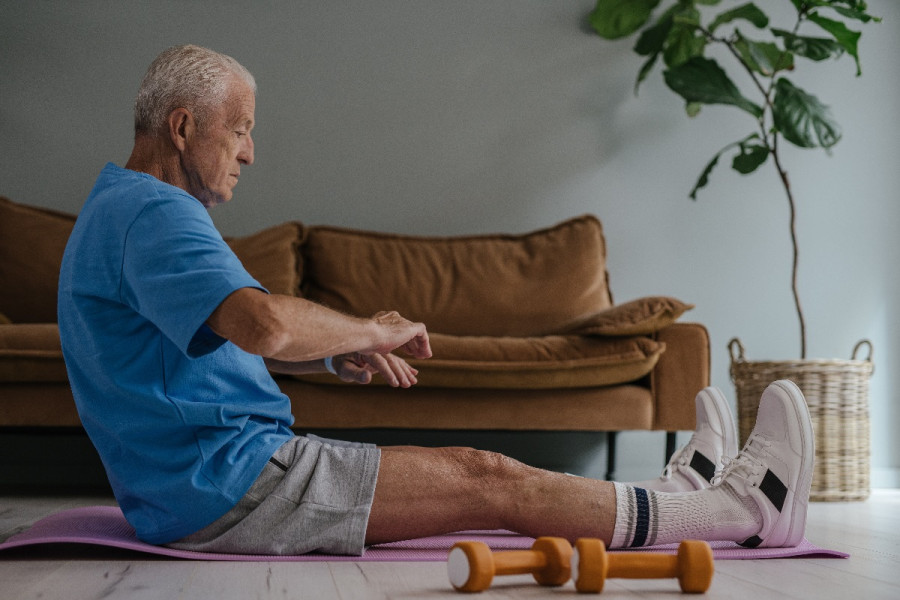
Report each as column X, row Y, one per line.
column 401, row 333
column 359, row 368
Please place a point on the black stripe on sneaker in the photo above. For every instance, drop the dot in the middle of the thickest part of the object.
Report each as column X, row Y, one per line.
column 642, row 518
column 751, row 542
column 774, row 489
column 705, row 467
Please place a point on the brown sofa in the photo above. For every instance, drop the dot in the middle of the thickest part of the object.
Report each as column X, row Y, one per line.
column 523, row 327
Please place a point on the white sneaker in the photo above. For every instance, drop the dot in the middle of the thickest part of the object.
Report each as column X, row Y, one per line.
column 775, row 468
column 715, row 438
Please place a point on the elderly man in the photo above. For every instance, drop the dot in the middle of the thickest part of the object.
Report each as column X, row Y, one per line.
column 169, row 341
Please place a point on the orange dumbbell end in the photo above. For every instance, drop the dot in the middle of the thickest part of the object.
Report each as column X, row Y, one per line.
column 696, row 568
column 471, row 566
column 592, row 565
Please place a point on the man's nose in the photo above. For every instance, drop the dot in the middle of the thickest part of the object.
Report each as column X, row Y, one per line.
column 245, row 156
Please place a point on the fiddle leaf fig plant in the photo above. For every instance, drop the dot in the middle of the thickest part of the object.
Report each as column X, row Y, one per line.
column 682, row 33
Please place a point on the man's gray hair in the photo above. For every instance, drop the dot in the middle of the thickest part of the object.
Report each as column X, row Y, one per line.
column 188, row 77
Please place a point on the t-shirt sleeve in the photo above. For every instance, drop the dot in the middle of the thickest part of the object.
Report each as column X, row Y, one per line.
column 176, row 271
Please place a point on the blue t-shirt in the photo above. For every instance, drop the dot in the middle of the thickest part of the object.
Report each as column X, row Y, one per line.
column 183, row 420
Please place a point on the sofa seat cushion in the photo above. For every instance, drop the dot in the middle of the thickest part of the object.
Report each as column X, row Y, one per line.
column 549, row 362
column 31, row 352
column 494, row 285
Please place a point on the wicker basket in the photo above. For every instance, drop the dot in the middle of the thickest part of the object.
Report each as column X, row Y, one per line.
column 837, row 392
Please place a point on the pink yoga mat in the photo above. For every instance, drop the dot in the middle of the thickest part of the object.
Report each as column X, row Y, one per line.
column 106, row 526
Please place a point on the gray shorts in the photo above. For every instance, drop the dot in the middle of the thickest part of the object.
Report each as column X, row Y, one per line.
column 314, row 495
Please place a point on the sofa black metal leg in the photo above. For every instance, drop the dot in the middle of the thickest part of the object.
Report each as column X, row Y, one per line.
column 611, row 455
column 670, row 446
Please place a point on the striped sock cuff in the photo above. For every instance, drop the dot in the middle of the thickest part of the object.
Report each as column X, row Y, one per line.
column 637, row 521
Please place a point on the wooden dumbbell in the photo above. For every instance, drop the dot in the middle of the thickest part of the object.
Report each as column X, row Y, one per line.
column 471, row 566
column 592, row 565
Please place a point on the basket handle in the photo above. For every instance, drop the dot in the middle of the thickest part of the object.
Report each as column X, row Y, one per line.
column 859, row 345
column 740, row 350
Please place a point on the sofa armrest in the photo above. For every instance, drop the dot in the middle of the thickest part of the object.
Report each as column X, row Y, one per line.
column 682, row 371
column 31, row 352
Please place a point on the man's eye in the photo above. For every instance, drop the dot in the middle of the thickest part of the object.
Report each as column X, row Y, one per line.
column 240, row 133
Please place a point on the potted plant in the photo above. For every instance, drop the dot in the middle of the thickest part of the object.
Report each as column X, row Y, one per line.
column 680, row 35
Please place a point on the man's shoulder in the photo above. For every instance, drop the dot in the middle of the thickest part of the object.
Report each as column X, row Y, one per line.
column 116, row 183
column 123, row 196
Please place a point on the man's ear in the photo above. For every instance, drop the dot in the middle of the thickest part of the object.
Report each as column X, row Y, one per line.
column 181, row 127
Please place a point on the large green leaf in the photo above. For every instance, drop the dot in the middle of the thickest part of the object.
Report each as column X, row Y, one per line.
column 847, row 38
column 749, row 158
column 763, row 57
column 801, row 118
column 813, row 48
column 703, row 80
column 750, row 149
column 614, row 19
column 747, row 12
column 682, row 44
column 855, row 9
column 704, row 176
column 859, row 14
column 652, row 39
column 645, row 70
column 651, row 43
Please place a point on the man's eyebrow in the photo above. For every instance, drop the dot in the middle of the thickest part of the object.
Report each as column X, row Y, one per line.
column 245, row 123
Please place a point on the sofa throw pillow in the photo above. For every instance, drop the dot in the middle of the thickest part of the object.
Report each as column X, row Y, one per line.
column 643, row 316
column 32, row 241
column 271, row 257
column 513, row 285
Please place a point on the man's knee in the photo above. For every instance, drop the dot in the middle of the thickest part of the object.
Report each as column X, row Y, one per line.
column 483, row 465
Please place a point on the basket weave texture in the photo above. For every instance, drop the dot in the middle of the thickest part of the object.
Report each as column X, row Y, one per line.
column 837, row 393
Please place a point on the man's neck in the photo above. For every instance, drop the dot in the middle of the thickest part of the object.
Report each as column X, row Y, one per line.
column 150, row 155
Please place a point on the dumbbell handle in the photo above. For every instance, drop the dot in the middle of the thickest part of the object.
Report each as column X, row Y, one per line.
column 516, row 562
column 641, row 566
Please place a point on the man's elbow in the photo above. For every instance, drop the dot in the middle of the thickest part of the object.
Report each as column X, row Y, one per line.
column 262, row 340
column 251, row 321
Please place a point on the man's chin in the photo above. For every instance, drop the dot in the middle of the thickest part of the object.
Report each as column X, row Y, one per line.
column 210, row 200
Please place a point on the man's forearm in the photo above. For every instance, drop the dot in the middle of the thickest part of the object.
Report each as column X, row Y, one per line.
column 295, row 330
column 295, row 368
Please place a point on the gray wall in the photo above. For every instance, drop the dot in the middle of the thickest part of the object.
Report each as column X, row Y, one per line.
column 468, row 116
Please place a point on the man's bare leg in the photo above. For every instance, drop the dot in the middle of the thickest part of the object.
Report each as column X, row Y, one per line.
column 431, row 491
column 758, row 499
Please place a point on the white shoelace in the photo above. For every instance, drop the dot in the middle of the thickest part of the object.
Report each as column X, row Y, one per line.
column 679, row 458
column 748, row 463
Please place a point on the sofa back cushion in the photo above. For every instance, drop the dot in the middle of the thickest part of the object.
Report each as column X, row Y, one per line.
column 32, row 241
column 514, row 285
column 271, row 256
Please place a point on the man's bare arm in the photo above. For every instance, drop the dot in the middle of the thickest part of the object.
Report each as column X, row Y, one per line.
column 295, row 330
column 354, row 368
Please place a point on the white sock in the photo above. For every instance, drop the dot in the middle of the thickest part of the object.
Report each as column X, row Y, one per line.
column 675, row 483
column 647, row 518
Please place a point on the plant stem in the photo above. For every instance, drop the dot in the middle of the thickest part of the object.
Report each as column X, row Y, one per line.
column 768, row 108
column 793, row 224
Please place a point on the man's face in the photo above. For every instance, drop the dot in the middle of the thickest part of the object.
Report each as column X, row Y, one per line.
column 213, row 157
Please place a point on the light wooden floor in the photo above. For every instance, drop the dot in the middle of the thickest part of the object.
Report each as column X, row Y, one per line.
column 869, row 531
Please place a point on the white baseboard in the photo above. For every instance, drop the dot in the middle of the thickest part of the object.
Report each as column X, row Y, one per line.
column 885, row 477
